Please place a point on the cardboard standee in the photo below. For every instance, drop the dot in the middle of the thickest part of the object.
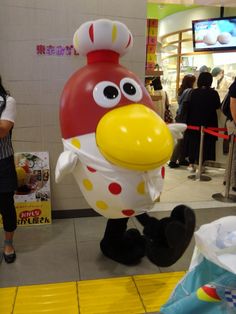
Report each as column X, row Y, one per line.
column 33, row 197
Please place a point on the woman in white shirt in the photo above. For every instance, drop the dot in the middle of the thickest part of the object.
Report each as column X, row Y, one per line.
column 163, row 103
column 8, row 177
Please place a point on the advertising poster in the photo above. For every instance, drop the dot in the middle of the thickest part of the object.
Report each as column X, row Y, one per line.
column 32, row 198
column 219, row 33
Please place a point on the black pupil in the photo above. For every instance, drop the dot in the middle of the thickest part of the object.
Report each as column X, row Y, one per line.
column 129, row 89
column 111, row 92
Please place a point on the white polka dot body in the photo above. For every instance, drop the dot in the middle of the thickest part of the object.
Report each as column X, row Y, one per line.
column 111, row 191
column 108, row 203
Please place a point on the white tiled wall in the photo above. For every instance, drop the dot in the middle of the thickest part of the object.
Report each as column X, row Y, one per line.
column 36, row 82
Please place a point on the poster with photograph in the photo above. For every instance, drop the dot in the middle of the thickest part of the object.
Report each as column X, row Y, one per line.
column 214, row 34
column 32, row 198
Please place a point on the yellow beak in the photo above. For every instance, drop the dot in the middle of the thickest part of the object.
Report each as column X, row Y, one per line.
column 134, row 137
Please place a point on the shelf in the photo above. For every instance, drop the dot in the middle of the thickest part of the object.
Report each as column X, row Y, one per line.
column 153, row 73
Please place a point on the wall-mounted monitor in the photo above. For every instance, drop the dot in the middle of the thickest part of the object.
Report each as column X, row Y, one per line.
column 215, row 34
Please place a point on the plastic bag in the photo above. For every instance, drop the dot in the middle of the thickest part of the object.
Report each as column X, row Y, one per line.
column 168, row 117
column 209, row 287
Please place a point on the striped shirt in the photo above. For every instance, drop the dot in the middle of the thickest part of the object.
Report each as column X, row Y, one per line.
column 9, row 114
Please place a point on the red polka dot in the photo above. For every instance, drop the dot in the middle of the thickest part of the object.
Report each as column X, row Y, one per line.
column 91, row 169
column 114, row 188
column 163, row 172
column 128, row 212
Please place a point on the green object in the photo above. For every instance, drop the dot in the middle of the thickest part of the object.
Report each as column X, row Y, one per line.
column 161, row 10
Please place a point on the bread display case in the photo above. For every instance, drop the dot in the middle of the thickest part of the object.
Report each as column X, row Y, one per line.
column 177, row 59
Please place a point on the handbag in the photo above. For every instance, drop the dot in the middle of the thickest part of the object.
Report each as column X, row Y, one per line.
column 168, row 116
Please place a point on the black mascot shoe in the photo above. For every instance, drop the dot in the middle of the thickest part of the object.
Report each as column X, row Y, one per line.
column 168, row 238
column 128, row 249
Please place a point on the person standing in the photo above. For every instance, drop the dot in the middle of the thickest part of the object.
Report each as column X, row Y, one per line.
column 178, row 157
column 232, row 130
column 161, row 105
column 202, row 111
column 8, row 177
column 219, row 82
column 218, row 76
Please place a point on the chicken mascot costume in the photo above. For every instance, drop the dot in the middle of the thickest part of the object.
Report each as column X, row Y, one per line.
column 116, row 147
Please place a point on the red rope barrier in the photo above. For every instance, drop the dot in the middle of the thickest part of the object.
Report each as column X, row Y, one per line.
column 209, row 131
column 192, row 127
column 217, row 129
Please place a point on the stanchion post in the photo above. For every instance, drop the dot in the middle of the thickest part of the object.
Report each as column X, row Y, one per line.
column 229, row 198
column 199, row 175
column 229, row 165
column 200, row 153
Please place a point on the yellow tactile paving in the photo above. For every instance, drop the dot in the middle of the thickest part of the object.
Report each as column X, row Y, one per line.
column 155, row 289
column 109, row 296
column 128, row 295
column 58, row 298
column 7, row 299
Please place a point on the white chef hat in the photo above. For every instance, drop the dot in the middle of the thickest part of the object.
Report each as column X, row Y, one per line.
column 104, row 35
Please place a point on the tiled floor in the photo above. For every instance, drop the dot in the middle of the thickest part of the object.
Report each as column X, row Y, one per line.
column 68, row 250
column 179, row 188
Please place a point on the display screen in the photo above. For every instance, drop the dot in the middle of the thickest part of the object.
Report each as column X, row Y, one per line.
column 214, row 34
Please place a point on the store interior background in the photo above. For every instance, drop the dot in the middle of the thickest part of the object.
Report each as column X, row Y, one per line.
column 36, row 81
column 175, row 52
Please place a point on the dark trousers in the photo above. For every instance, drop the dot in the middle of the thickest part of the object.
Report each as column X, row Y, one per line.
column 8, row 211
column 178, row 153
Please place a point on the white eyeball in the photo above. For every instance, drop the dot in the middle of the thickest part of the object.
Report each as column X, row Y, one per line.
column 106, row 94
column 131, row 89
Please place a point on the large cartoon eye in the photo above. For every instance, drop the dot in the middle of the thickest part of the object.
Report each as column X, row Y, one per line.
column 106, row 94
column 131, row 89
